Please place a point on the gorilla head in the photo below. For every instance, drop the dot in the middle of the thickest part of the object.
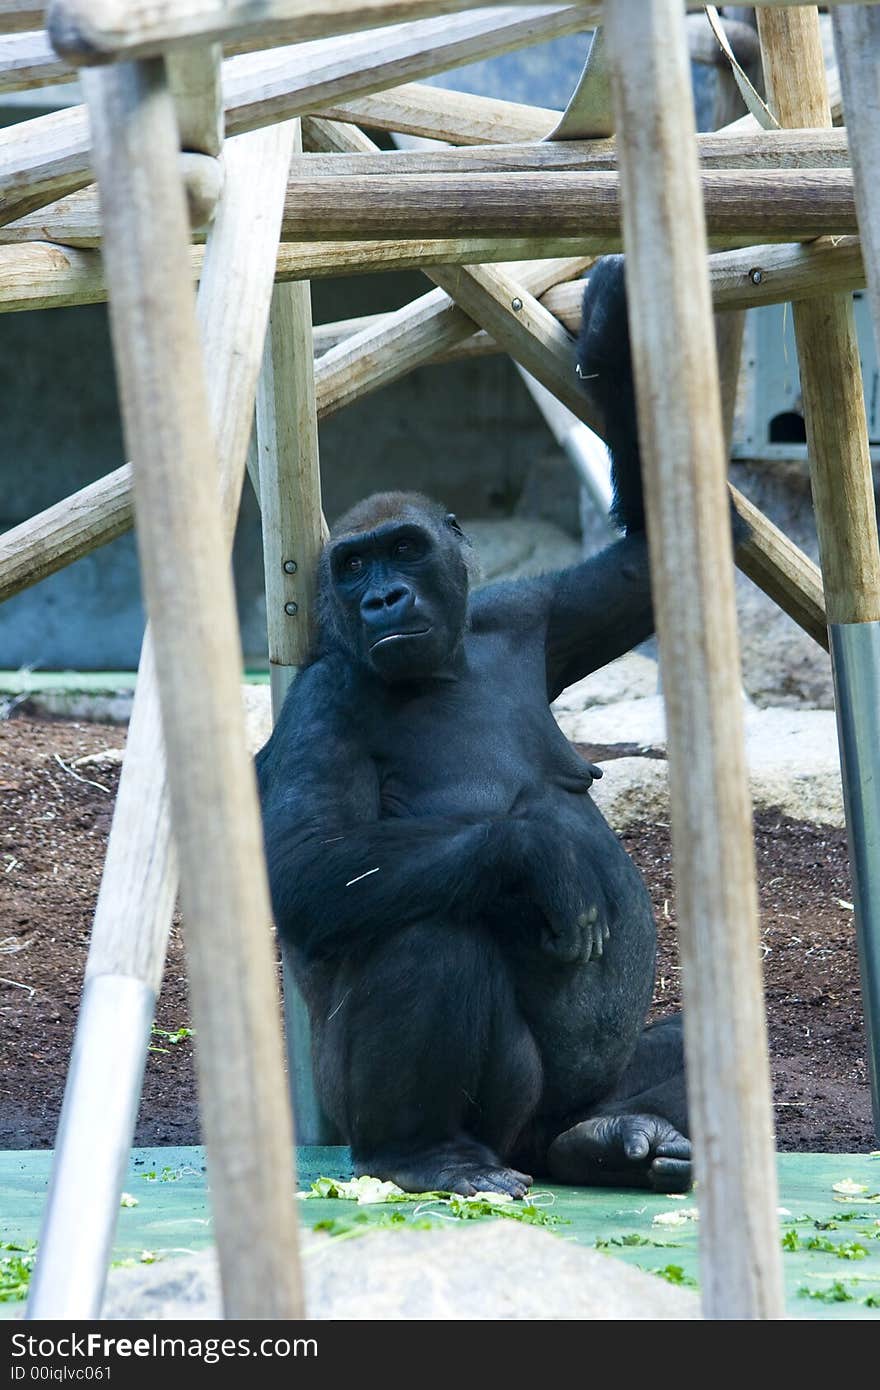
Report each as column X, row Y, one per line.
column 394, row 585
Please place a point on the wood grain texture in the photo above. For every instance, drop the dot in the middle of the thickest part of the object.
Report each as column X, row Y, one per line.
column 692, row 573
column 439, row 113
column 421, row 331
column 783, row 149
column 93, row 31
column 49, row 156
column 290, row 475
column 60, row 534
column 29, row 60
column 188, row 588
column 194, row 74
column 828, row 354
column 775, row 205
column 788, row 576
column 857, row 38
column 18, row 15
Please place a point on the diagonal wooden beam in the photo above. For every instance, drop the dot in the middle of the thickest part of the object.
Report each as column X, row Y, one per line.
column 95, row 31
column 46, row 157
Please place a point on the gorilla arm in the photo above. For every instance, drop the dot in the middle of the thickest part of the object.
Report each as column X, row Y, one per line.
column 341, row 877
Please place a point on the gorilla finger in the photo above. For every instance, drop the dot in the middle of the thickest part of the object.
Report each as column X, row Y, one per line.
column 636, row 1144
column 671, row 1175
column 674, row 1146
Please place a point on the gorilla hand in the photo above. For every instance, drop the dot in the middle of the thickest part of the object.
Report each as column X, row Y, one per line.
column 576, row 924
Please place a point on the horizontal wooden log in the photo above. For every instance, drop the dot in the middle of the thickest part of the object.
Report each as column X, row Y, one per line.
column 95, row 31
column 50, row 156
column 29, row 60
column 782, row 205
column 755, row 275
column 75, row 219
column 765, row 149
column 17, row 16
column 41, row 275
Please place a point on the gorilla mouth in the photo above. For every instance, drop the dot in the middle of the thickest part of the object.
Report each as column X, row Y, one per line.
column 397, row 636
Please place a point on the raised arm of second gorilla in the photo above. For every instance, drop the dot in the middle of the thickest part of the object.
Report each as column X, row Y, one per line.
column 475, row 947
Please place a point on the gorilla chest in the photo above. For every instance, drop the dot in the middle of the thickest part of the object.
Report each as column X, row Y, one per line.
column 473, row 748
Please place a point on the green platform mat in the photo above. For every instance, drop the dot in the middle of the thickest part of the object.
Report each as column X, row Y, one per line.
column 172, row 1216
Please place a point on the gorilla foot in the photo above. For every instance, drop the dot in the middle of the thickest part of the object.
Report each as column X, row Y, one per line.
column 623, row 1151
column 465, row 1169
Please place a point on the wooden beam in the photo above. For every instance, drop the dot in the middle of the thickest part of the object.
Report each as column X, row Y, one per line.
column 828, row 353
column 194, row 74
column 189, row 597
column 385, row 348
column 755, row 275
column 398, row 343
column 18, row 15
column 777, row 205
column 49, row 156
column 764, row 149
column 783, row 571
column 438, row 113
column 95, row 31
column 692, row 577
column 76, row 219
column 29, row 60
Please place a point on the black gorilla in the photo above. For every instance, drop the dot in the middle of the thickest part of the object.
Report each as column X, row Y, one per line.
column 475, row 946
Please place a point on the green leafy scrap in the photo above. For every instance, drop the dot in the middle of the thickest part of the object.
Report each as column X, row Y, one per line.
column 16, row 1268
column 170, row 1035
column 674, row 1274
column 367, row 1191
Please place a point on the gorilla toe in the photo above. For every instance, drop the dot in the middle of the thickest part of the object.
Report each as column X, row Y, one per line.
column 623, row 1151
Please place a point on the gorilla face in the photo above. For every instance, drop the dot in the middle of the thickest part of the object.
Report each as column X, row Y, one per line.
column 400, row 594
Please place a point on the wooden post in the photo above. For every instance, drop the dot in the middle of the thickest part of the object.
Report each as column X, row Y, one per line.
column 828, row 354
column 198, row 662
column 194, row 75
column 840, row 463
column 293, row 532
column 139, row 884
column 689, row 529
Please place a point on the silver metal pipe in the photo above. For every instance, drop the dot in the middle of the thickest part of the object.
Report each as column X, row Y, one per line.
column 855, row 653
column 93, row 1147
column 586, row 452
column 311, row 1125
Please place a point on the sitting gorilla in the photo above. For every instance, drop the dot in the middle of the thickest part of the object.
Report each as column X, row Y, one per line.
column 475, row 947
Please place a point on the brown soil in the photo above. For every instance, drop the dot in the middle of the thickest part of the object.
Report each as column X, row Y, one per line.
column 53, row 833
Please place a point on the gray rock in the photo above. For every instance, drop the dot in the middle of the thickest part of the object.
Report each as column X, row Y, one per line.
column 519, row 546
column 481, row 1271
column 791, row 753
column 632, row 677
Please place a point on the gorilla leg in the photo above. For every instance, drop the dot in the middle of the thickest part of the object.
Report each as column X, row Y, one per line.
column 637, row 1135
column 426, row 1064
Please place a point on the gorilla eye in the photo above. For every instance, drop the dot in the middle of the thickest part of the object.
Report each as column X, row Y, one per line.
column 402, row 549
column 352, row 564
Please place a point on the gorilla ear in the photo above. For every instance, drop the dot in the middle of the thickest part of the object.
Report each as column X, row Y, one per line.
column 452, row 522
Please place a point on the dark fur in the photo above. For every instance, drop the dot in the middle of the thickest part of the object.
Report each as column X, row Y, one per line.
column 474, row 944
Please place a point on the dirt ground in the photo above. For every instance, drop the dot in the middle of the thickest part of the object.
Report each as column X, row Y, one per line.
column 53, row 834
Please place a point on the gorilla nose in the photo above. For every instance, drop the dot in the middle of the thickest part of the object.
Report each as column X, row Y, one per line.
column 383, row 609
